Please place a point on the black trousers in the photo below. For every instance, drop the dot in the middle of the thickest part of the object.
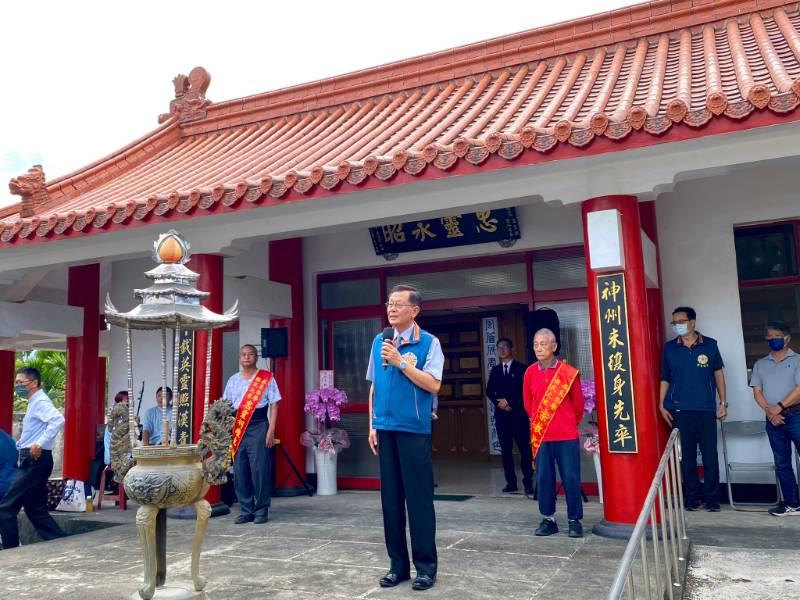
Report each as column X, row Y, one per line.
column 698, row 429
column 407, row 483
column 252, row 471
column 514, row 427
column 29, row 491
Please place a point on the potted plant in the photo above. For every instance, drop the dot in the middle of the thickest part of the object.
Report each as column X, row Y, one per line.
column 325, row 406
column 591, row 434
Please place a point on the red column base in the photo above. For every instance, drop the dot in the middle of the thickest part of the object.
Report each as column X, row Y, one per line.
column 617, row 531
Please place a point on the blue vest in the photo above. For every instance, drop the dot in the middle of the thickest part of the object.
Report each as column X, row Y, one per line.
column 398, row 404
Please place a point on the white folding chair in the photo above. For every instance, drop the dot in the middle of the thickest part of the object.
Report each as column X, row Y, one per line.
column 746, row 429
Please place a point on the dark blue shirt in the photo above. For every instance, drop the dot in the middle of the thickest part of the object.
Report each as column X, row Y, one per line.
column 690, row 374
column 8, row 462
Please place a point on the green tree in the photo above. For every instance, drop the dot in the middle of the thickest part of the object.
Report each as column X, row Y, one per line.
column 53, row 368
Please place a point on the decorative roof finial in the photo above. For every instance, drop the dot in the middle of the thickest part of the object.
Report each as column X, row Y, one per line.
column 31, row 186
column 190, row 96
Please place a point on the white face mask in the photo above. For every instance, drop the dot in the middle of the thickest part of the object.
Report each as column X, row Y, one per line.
column 681, row 329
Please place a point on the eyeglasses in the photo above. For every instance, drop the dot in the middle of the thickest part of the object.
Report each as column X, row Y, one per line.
column 20, row 382
column 391, row 305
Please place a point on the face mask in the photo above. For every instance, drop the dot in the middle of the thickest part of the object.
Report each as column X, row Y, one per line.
column 681, row 329
column 21, row 391
column 776, row 344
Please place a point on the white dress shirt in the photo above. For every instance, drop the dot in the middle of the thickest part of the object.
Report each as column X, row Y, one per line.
column 41, row 424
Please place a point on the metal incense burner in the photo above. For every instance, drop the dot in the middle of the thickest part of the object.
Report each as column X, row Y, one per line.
column 169, row 475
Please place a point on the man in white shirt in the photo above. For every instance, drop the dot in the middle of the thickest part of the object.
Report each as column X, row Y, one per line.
column 252, row 463
column 40, row 427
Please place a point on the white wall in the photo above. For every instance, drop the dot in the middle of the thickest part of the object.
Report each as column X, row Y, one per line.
column 698, row 263
column 541, row 226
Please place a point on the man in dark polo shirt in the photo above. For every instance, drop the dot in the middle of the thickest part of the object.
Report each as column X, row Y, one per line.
column 776, row 388
column 691, row 379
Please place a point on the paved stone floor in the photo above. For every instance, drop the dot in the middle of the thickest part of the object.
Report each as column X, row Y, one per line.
column 326, row 546
column 332, row 547
column 748, row 555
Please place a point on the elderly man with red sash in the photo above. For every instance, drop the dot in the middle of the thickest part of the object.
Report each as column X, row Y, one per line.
column 554, row 402
column 254, row 395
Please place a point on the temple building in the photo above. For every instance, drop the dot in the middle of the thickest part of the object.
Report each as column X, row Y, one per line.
column 623, row 163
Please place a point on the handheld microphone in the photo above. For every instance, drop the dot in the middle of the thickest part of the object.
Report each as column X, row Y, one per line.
column 388, row 336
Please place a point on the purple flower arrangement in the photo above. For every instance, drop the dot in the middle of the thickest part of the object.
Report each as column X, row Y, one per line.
column 325, row 405
column 591, row 438
column 589, row 397
column 330, row 440
column 591, row 434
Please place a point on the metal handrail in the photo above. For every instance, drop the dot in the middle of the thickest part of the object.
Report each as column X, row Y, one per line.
column 664, row 499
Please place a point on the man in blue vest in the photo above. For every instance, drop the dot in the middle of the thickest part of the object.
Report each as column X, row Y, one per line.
column 406, row 374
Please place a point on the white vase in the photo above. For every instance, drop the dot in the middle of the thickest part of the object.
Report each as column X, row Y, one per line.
column 599, row 473
column 326, row 472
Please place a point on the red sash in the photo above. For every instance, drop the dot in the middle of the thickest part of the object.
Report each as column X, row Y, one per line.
column 248, row 406
column 553, row 397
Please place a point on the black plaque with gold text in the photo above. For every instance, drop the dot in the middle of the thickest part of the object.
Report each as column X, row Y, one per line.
column 183, row 395
column 617, row 378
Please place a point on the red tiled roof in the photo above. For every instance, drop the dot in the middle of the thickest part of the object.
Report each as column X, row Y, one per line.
column 627, row 72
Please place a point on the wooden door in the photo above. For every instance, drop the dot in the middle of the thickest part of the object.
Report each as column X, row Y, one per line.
column 460, row 431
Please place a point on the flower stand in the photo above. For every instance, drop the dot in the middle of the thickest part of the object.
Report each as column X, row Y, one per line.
column 599, row 473
column 326, row 472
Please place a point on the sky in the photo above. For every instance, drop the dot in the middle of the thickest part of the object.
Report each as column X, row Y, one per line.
column 82, row 79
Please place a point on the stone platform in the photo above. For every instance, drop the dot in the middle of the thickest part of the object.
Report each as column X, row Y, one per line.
column 333, row 547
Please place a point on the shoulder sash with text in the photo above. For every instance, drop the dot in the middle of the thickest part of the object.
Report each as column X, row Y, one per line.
column 248, row 405
column 553, row 397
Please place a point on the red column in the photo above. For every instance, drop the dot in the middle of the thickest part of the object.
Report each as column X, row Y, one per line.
column 627, row 477
column 102, row 389
column 80, row 413
column 6, row 390
column 210, row 269
column 286, row 266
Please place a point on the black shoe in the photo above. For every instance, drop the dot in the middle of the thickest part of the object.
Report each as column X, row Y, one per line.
column 510, row 488
column 692, row 506
column 244, row 519
column 546, row 527
column 261, row 519
column 391, row 579
column 423, row 582
column 529, row 491
column 575, row 529
column 713, row 507
column 783, row 510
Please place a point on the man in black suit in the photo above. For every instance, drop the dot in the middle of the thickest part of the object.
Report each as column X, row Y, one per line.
column 505, row 391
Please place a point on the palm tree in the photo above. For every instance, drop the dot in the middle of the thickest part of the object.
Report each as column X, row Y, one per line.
column 53, row 368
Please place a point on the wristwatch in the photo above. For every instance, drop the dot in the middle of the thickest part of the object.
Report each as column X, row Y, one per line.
column 403, row 365
column 781, row 405
column 725, row 404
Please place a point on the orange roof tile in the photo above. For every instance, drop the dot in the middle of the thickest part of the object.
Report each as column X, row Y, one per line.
column 603, row 76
